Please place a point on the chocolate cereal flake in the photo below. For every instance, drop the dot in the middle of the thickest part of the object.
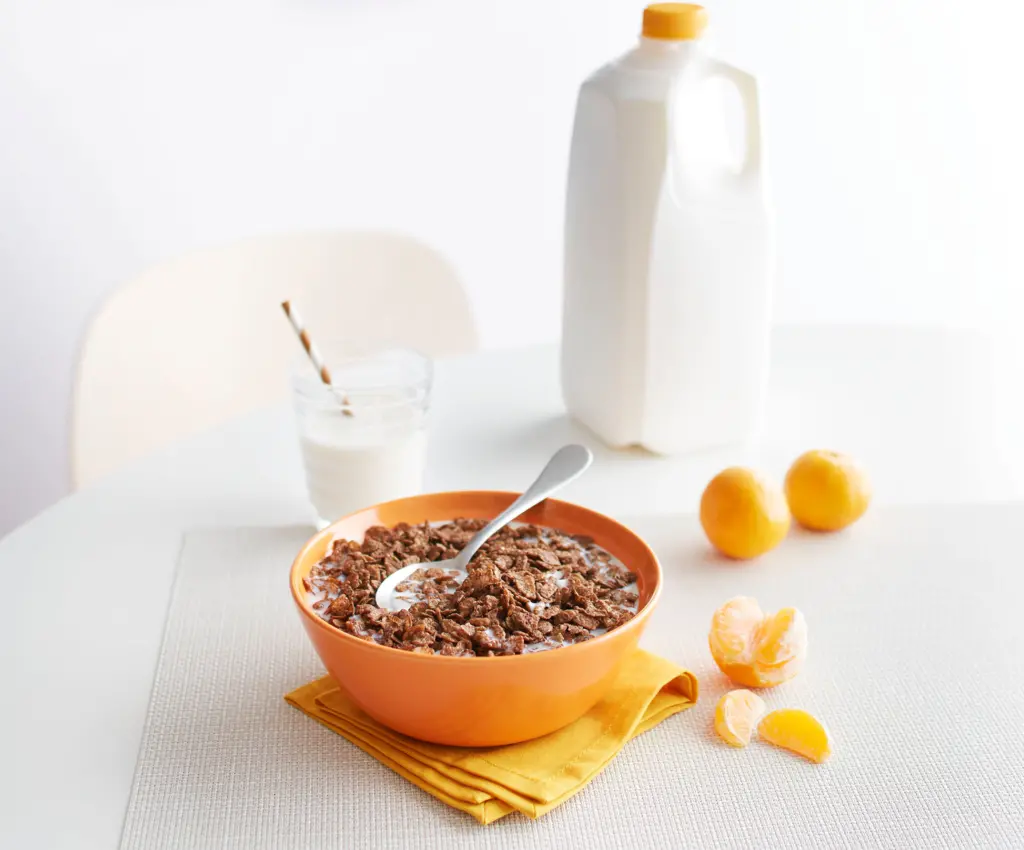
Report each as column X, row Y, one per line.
column 529, row 589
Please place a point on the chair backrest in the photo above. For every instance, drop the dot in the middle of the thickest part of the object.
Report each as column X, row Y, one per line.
column 195, row 341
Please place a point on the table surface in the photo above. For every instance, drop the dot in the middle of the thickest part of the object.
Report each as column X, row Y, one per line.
column 934, row 415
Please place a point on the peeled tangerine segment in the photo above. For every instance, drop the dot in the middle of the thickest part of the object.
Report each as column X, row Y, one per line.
column 755, row 649
column 796, row 730
column 736, row 716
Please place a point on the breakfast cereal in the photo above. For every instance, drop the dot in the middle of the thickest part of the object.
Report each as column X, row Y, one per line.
column 529, row 589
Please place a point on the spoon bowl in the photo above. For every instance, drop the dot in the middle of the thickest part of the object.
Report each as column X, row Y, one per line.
column 567, row 464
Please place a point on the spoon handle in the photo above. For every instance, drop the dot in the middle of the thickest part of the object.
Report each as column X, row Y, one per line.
column 567, row 464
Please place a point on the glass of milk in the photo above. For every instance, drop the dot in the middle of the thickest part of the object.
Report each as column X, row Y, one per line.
column 363, row 438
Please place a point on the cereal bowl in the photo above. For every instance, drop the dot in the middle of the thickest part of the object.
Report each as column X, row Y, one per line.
column 478, row 701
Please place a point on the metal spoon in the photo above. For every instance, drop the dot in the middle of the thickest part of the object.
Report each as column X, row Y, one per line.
column 567, row 464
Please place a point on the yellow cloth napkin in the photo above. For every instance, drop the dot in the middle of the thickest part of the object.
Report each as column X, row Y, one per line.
column 532, row 777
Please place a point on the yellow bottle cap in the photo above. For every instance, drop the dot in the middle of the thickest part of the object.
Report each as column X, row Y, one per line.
column 674, row 21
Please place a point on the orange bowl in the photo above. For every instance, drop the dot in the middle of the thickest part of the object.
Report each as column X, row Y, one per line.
column 476, row 702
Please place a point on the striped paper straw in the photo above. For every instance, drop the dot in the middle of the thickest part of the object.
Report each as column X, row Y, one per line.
column 311, row 349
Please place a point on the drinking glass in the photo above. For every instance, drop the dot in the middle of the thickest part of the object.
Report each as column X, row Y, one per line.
column 363, row 438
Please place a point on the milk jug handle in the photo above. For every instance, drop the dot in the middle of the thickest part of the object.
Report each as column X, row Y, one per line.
column 746, row 85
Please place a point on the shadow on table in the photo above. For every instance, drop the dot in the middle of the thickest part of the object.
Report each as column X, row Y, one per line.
column 527, row 444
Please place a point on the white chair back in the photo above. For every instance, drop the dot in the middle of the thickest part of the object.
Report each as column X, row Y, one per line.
column 195, row 341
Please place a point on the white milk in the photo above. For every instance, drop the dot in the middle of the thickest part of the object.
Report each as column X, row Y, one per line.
column 668, row 254
column 345, row 475
column 363, row 440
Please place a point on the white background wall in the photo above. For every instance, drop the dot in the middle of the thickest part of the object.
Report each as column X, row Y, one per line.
column 133, row 130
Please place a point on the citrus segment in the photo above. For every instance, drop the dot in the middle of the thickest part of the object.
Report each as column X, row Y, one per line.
column 743, row 514
column 780, row 639
column 798, row 731
column 736, row 715
column 827, row 491
column 754, row 649
column 732, row 626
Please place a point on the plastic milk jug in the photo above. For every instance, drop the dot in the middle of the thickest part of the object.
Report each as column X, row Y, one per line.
column 669, row 253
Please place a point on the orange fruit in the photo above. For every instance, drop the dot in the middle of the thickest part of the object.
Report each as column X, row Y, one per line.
column 827, row 491
column 798, row 731
column 736, row 715
column 744, row 515
column 755, row 649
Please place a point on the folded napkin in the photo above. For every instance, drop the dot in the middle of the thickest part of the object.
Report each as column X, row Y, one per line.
column 531, row 777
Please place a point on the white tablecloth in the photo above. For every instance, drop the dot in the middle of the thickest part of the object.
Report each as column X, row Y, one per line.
column 935, row 416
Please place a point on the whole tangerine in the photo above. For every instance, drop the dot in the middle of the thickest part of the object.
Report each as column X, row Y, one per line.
column 743, row 513
column 826, row 490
